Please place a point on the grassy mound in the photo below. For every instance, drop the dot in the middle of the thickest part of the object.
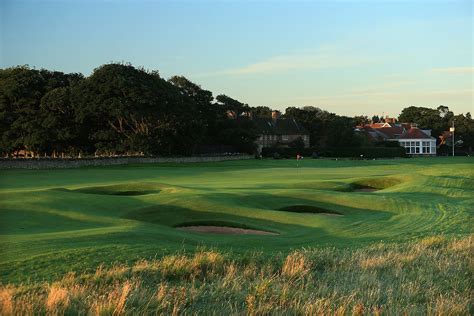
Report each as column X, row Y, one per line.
column 308, row 209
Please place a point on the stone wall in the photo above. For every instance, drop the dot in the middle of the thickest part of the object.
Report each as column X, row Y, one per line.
column 48, row 163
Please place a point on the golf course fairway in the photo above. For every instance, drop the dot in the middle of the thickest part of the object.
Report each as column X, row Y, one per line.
column 55, row 221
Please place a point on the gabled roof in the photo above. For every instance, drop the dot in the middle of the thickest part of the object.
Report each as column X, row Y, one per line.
column 399, row 131
column 372, row 133
column 282, row 126
column 415, row 133
column 391, row 132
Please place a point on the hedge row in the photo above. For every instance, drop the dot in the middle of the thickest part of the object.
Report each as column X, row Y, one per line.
column 348, row 152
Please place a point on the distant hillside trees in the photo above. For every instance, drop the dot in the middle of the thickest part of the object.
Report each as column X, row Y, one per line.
column 120, row 109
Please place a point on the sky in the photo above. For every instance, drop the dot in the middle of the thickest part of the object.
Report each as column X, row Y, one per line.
column 347, row 57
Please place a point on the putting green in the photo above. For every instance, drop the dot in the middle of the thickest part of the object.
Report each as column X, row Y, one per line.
column 54, row 221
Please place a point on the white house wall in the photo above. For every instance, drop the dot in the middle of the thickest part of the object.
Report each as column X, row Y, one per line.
column 422, row 147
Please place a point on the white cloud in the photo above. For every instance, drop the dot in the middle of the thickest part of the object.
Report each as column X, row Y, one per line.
column 454, row 70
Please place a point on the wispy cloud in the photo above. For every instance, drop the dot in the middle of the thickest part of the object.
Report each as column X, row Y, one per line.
column 324, row 58
column 454, row 70
column 319, row 60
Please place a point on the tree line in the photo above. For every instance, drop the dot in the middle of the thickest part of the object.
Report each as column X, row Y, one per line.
column 123, row 110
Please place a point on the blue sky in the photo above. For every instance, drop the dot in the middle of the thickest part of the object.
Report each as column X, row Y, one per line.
column 348, row 57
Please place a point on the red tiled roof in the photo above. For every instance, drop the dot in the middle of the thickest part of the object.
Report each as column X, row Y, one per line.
column 392, row 132
column 378, row 125
column 370, row 132
column 415, row 133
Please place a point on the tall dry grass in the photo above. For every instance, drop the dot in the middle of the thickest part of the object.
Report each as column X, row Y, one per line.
column 431, row 276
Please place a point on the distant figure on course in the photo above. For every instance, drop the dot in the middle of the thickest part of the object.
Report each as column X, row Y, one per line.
column 298, row 158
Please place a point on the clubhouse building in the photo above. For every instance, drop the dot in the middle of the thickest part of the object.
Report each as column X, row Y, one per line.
column 417, row 142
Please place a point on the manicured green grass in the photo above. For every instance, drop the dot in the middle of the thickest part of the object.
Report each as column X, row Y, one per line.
column 55, row 221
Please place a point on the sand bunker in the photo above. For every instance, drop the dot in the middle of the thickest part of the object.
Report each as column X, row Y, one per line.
column 224, row 230
column 310, row 209
column 365, row 189
column 373, row 185
column 121, row 189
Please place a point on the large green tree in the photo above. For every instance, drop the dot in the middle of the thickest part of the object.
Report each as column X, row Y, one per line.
column 21, row 114
column 464, row 131
column 427, row 118
column 129, row 110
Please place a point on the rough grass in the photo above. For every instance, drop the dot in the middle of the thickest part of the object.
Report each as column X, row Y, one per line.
column 430, row 276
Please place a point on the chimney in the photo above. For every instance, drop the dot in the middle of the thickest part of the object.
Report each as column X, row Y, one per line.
column 247, row 114
column 390, row 120
column 231, row 114
column 275, row 115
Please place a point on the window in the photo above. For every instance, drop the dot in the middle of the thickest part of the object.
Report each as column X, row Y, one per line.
column 417, row 149
column 407, row 150
column 426, row 147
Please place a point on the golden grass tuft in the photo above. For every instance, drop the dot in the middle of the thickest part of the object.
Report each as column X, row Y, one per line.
column 6, row 300
column 390, row 259
column 374, row 262
column 295, row 265
column 122, row 298
column 57, row 300
column 432, row 241
column 466, row 244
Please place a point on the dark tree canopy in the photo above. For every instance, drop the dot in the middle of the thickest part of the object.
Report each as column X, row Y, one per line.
column 435, row 119
column 326, row 129
column 120, row 109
